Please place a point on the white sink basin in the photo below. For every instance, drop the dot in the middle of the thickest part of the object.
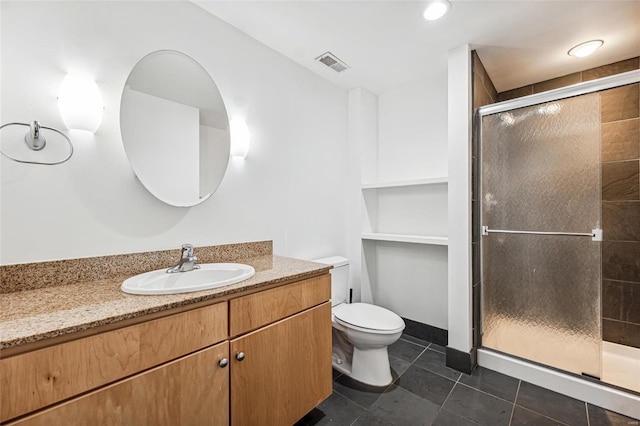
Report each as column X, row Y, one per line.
column 210, row 275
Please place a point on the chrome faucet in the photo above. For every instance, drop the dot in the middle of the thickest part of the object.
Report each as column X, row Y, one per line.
column 187, row 261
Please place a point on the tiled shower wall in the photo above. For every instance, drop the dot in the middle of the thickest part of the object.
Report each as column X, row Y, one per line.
column 620, row 158
column 484, row 93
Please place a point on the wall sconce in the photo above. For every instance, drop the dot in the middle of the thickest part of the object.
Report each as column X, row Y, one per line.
column 80, row 103
column 240, row 138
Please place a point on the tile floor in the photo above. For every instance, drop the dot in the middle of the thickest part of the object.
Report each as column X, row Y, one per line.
column 426, row 392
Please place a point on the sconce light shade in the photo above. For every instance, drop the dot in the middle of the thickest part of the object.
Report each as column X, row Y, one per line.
column 240, row 138
column 80, row 103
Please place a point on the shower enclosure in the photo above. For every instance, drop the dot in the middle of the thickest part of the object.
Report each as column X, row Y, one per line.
column 541, row 223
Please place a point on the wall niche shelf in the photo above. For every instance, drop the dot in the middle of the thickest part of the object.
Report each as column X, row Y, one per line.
column 403, row 238
column 412, row 182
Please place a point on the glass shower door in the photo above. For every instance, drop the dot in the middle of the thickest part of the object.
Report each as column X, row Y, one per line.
column 540, row 176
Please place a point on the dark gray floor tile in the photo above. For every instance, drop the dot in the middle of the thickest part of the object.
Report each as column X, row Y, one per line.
column 416, row 340
column 426, row 384
column 335, row 410
column 524, row 417
column 398, row 366
column 357, row 392
column 447, row 418
column 405, row 350
column 600, row 417
column 478, row 406
column 436, row 362
column 437, row 348
column 398, row 406
column 492, row 382
column 552, row 404
column 369, row 419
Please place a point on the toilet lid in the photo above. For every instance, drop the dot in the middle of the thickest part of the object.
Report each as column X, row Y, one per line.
column 364, row 315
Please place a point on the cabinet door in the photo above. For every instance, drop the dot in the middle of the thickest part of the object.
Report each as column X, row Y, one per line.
column 193, row 390
column 286, row 370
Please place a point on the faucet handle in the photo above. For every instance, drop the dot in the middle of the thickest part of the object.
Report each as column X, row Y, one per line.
column 187, row 250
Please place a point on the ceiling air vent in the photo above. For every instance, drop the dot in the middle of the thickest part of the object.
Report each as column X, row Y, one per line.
column 330, row 60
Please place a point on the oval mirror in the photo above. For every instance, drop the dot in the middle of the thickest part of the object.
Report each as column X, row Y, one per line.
column 175, row 128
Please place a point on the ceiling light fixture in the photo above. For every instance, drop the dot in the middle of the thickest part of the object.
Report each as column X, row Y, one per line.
column 585, row 49
column 436, row 10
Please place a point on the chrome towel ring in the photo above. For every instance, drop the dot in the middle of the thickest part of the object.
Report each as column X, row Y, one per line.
column 36, row 141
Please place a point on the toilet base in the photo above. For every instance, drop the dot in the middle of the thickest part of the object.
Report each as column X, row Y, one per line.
column 341, row 365
column 371, row 366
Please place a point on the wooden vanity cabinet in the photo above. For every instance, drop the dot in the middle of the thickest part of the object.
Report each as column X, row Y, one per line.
column 262, row 359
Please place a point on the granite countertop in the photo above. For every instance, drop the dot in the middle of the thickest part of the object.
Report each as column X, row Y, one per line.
column 33, row 315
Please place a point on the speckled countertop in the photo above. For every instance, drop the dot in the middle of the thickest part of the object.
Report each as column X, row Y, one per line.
column 33, row 315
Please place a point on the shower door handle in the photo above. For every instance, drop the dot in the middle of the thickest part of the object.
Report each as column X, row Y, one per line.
column 595, row 234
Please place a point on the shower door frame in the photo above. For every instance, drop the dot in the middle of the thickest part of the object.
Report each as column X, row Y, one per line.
column 561, row 381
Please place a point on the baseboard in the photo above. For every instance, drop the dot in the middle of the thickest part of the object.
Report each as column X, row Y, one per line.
column 461, row 361
column 426, row 332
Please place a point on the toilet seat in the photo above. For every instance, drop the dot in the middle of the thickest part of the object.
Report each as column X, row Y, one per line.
column 368, row 318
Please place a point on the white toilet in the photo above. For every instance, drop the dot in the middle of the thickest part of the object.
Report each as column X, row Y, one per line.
column 361, row 331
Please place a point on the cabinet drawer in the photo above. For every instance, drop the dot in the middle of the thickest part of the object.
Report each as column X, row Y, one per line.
column 255, row 310
column 36, row 379
column 192, row 390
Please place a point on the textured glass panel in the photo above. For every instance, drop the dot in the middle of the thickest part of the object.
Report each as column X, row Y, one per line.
column 541, row 294
column 541, row 299
column 541, row 167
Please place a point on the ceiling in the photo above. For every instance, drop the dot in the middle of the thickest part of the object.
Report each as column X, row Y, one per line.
column 388, row 44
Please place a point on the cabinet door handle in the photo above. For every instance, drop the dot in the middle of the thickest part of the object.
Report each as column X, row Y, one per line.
column 240, row 356
column 223, row 363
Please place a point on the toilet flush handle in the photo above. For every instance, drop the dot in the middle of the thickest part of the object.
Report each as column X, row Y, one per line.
column 240, row 356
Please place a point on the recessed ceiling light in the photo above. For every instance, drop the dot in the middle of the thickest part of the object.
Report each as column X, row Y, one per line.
column 585, row 49
column 436, row 10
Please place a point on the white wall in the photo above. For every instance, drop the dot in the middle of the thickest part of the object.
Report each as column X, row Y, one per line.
column 410, row 280
column 289, row 189
column 413, row 129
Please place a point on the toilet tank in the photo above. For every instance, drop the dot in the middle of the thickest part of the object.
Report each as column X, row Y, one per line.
column 339, row 278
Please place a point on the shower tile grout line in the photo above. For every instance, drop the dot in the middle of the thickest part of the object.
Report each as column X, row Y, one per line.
column 617, row 121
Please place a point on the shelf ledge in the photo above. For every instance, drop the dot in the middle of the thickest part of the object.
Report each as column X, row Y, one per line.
column 404, row 238
column 412, row 182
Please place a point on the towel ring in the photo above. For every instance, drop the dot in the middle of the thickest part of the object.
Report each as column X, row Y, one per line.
column 36, row 141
